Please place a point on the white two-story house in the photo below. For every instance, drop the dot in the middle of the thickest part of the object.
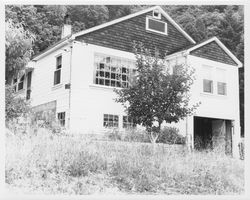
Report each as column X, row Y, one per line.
column 74, row 79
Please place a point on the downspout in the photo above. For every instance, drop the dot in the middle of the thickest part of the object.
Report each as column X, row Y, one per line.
column 70, row 74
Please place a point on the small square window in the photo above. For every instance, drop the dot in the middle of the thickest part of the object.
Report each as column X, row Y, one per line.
column 157, row 14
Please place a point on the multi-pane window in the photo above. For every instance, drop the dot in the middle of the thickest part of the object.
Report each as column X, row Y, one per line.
column 20, row 83
column 57, row 73
column 110, row 120
column 61, row 118
column 128, row 122
column 113, row 71
column 207, row 86
column 222, row 88
column 207, row 79
column 221, row 81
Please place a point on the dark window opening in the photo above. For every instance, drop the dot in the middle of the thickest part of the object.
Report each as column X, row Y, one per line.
column 110, row 120
column 61, row 118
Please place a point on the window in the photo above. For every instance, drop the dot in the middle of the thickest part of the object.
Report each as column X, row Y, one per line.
column 61, row 118
column 156, row 26
column 113, row 71
column 221, row 81
column 207, row 79
column 110, row 120
column 157, row 14
column 128, row 122
column 20, row 83
column 207, row 86
column 57, row 73
column 15, row 84
column 222, row 88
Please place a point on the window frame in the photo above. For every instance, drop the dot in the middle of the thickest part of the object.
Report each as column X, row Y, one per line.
column 158, row 12
column 211, row 86
column 155, row 31
column 224, row 88
column 58, row 71
column 61, row 117
column 128, row 124
column 114, row 122
column 21, row 82
column 112, row 71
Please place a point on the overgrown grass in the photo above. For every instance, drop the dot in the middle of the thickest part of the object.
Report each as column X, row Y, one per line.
column 51, row 164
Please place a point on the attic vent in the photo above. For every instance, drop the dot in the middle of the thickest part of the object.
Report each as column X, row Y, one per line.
column 156, row 14
column 156, row 26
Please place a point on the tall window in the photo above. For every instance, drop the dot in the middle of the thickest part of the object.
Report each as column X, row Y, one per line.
column 128, row 122
column 221, row 82
column 207, row 86
column 15, row 84
column 110, row 120
column 61, row 118
column 21, row 83
column 207, row 79
column 57, row 73
column 113, row 71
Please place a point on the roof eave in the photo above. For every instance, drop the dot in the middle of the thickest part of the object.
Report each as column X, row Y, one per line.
column 134, row 15
column 236, row 60
column 53, row 48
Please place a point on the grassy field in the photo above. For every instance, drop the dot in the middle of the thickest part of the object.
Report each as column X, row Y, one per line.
column 46, row 164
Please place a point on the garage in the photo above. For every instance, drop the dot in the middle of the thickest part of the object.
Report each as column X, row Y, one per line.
column 212, row 133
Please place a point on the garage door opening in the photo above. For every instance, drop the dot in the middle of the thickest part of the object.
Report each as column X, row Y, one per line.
column 211, row 133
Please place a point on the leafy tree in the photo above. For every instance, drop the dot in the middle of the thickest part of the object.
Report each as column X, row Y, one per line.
column 157, row 95
column 18, row 49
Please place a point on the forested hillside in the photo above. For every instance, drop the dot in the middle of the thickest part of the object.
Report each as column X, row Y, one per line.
column 200, row 22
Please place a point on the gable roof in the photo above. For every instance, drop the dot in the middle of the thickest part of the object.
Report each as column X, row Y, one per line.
column 191, row 48
column 73, row 36
column 134, row 15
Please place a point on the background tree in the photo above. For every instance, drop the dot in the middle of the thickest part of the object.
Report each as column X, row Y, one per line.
column 156, row 94
column 18, row 49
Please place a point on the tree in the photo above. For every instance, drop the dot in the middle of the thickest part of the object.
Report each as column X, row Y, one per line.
column 18, row 49
column 156, row 95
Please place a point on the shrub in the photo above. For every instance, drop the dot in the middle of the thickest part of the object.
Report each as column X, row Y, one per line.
column 114, row 134
column 136, row 135
column 15, row 106
column 170, row 135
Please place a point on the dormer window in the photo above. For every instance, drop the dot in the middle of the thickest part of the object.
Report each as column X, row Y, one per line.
column 156, row 14
column 156, row 26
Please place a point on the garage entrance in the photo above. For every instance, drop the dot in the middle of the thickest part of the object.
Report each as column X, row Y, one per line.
column 212, row 133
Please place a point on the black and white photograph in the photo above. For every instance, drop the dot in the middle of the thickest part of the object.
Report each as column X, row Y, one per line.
column 124, row 99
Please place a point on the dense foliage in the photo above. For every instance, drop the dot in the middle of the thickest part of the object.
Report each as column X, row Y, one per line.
column 201, row 22
column 15, row 106
column 159, row 93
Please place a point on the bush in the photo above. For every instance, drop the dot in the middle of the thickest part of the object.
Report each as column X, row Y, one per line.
column 15, row 106
column 170, row 135
column 114, row 134
column 135, row 135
